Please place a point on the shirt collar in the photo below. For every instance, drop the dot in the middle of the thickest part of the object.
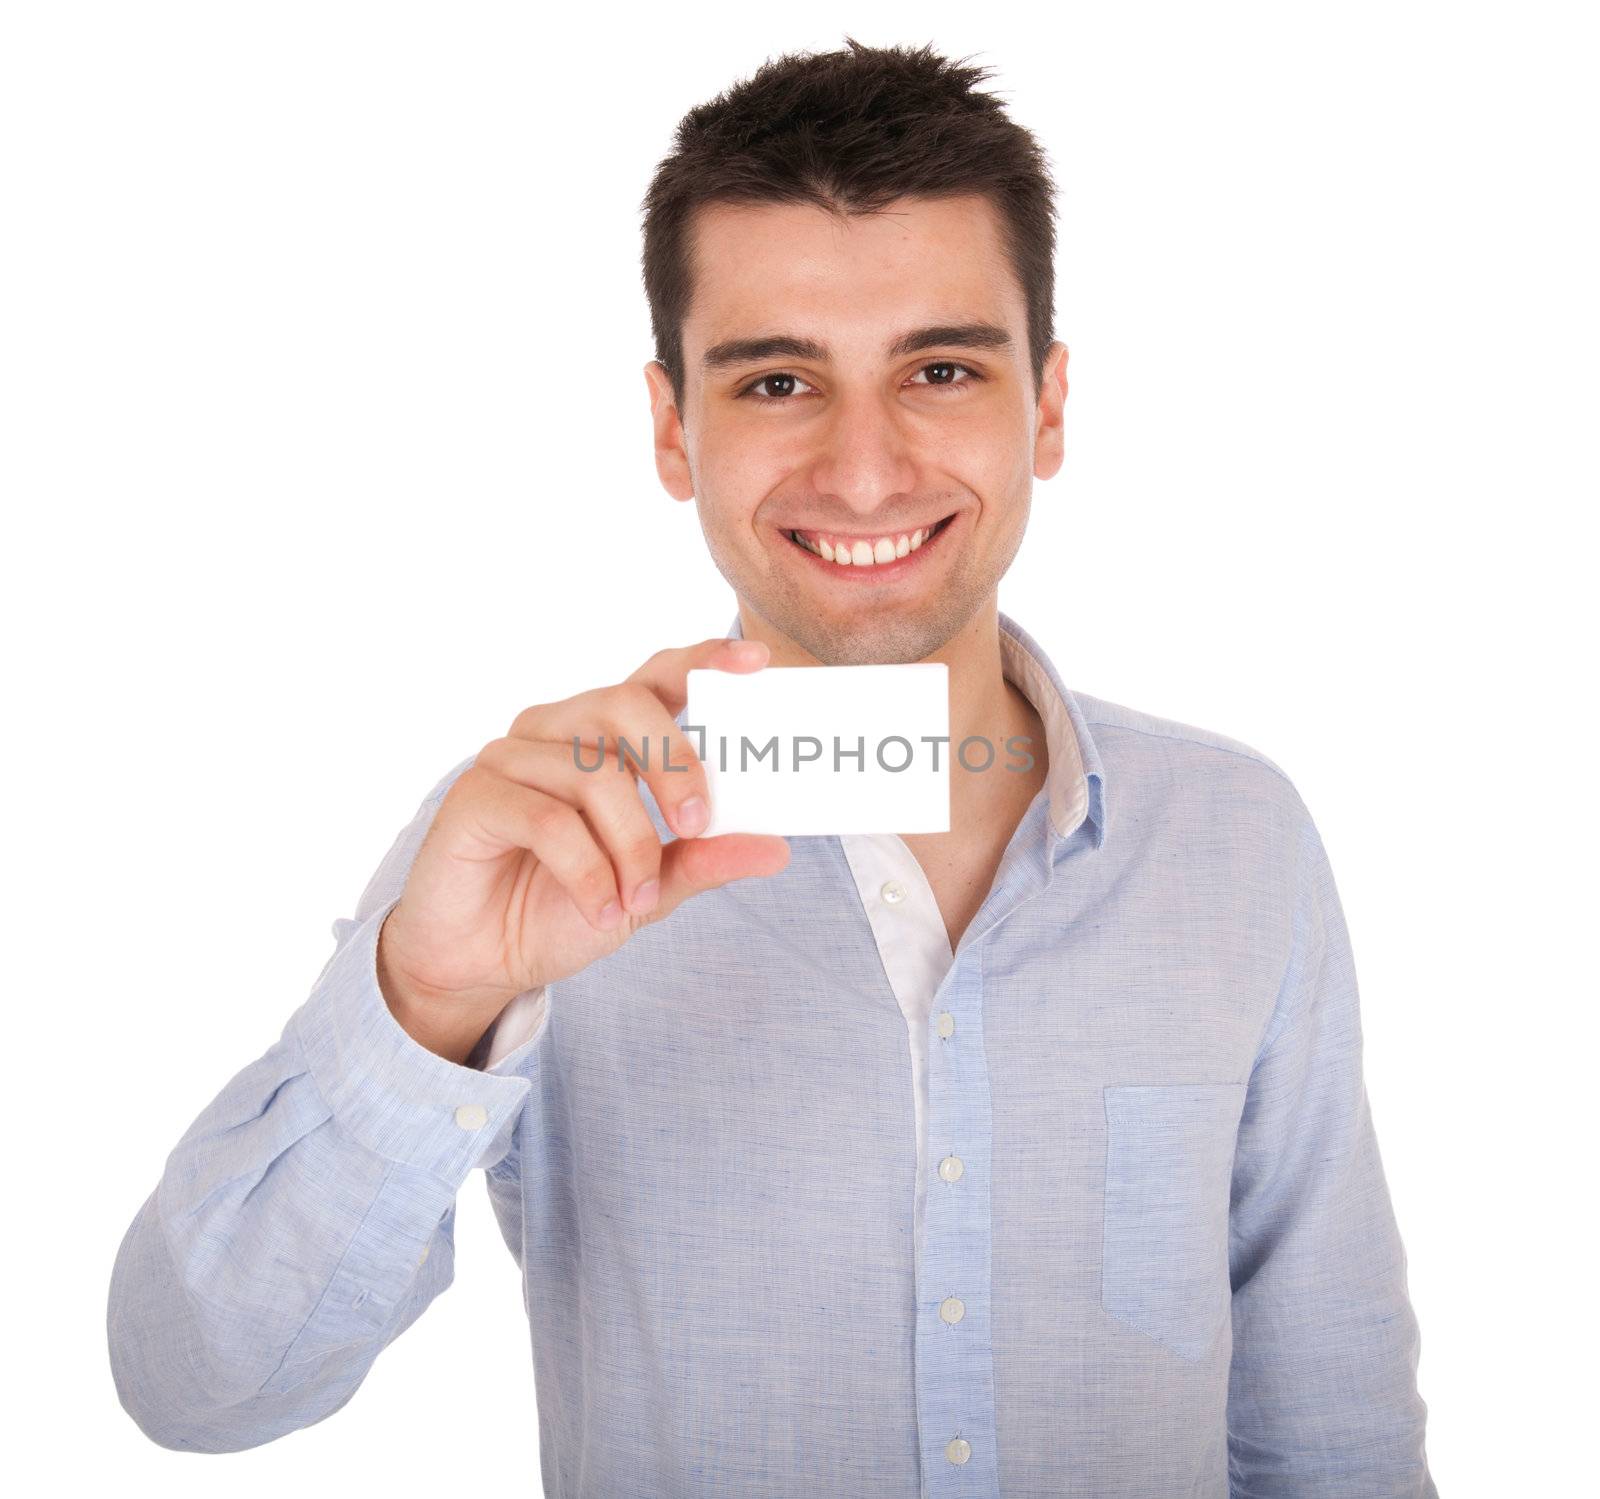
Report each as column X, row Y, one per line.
column 1075, row 777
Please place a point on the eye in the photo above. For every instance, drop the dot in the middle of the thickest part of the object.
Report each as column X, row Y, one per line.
column 752, row 390
column 950, row 365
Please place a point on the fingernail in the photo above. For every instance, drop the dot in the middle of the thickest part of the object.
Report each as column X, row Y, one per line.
column 610, row 915
column 644, row 898
column 692, row 815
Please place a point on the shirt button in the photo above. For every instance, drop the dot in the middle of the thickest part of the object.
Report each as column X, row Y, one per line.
column 893, row 892
column 952, row 1309
column 959, row 1450
column 950, row 1168
column 472, row 1116
column 947, row 1024
column 422, row 1259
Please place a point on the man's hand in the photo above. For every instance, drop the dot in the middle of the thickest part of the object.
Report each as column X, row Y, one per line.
column 533, row 868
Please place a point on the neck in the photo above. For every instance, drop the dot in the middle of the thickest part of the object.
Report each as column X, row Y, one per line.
column 983, row 706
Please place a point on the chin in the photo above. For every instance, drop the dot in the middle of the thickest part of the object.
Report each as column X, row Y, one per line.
column 887, row 640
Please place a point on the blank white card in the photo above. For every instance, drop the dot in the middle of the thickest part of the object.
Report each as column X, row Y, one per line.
column 806, row 750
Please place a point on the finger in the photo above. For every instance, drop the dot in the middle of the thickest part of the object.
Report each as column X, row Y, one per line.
column 604, row 791
column 685, row 799
column 658, row 751
column 523, row 817
column 690, row 866
column 667, row 672
column 592, row 729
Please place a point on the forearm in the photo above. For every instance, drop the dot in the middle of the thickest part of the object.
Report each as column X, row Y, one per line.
column 304, row 1219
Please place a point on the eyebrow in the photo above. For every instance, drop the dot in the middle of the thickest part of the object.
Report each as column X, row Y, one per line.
column 791, row 346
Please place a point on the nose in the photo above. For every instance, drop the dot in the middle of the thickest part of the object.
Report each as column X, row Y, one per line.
column 863, row 458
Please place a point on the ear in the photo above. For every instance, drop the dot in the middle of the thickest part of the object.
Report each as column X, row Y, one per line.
column 1048, row 442
column 672, row 459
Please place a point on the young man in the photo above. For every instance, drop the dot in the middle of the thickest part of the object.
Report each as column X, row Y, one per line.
column 1030, row 1158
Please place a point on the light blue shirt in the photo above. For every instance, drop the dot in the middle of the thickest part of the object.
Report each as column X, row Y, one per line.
column 1137, row 1245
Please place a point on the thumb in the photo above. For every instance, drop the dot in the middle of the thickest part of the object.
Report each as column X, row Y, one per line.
column 692, row 865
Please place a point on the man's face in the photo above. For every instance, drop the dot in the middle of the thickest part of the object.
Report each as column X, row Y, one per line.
column 821, row 423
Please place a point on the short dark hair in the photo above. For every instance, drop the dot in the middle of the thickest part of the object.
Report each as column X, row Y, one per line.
column 849, row 131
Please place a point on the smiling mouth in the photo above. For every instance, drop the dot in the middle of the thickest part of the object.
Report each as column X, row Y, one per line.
column 866, row 552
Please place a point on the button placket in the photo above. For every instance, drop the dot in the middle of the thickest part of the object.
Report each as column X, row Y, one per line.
column 954, row 1372
column 954, row 1365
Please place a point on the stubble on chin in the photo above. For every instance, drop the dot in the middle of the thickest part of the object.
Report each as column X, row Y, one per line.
column 881, row 636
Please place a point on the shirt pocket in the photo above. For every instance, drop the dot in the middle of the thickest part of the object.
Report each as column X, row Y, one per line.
column 1169, row 1170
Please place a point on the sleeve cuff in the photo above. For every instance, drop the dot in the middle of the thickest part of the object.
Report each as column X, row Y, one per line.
column 388, row 1091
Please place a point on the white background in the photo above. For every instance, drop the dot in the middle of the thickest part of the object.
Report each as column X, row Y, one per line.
column 326, row 450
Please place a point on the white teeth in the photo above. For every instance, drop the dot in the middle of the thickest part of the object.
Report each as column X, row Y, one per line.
column 864, row 553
